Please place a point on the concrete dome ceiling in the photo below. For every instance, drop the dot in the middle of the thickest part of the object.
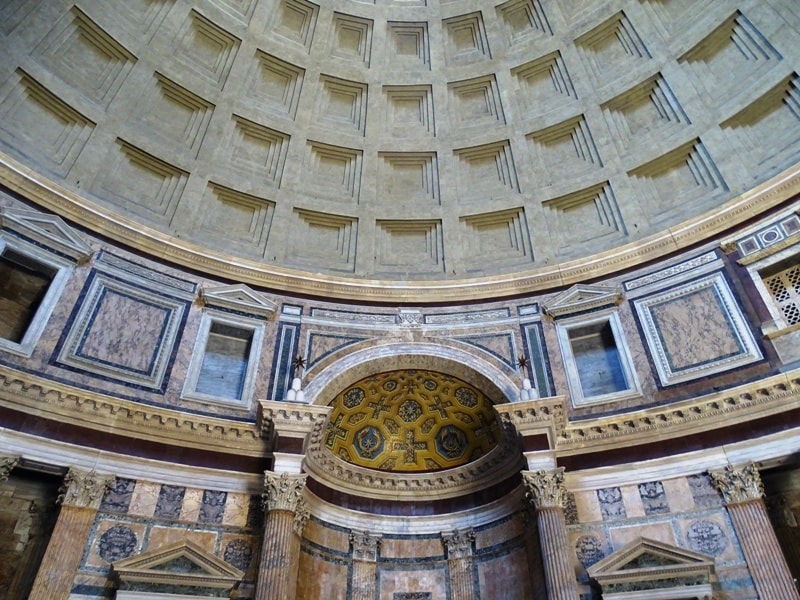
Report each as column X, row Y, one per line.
column 393, row 150
column 411, row 421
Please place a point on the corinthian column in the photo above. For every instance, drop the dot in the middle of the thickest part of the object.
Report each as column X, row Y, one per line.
column 743, row 493
column 460, row 563
column 80, row 498
column 547, row 493
column 280, row 551
column 365, row 556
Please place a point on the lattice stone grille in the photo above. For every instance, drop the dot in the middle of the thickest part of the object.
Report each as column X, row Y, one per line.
column 785, row 289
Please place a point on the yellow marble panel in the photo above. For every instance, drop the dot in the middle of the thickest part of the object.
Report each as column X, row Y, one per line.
column 144, row 499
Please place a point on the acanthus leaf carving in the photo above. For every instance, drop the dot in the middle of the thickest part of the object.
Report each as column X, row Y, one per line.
column 545, row 489
column 738, row 484
column 283, row 491
column 83, row 489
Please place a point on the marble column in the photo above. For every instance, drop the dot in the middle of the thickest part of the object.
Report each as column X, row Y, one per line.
column 365, row 557
column 743, row 493
column 547, row 493
column 460, row 564
column 283, row 527
column 80, row 499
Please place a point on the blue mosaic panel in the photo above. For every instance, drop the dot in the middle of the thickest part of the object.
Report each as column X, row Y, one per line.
column 589, row 549
column 170, row 501
column 238, row 553
column 703, row 492
column 213, row 507
column 654, row 499
column 611, row 505
column 118, row 497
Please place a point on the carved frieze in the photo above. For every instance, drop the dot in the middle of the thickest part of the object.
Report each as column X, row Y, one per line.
column 283, row 491
column 84, row 489
column 545, row 488
column 738, row 484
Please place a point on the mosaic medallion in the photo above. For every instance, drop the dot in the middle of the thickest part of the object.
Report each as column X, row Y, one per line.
column 411, row 420
column 117, row 543
column 707, row 537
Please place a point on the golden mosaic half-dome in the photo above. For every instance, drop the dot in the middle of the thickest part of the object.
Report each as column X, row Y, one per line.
column 411, row 421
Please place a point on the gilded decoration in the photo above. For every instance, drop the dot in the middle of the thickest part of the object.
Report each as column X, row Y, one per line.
column 411, row 421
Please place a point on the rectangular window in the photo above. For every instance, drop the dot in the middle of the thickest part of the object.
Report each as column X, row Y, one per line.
column 24, row 282
column 598, row 365
column 597, row 359
column 225, row 359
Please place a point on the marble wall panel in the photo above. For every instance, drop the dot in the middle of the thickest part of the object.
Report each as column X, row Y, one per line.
column 192, row 503
column 333, row 538
column 587, row 507
column 661, row 532
column 497, row 533
column 632, row 500
column 118, row 497
column 241, row 551
column 144, row 499
column 711, row 535
column 406, row 579
column 170, row 501
column 504, row 577
column 417, row 547
column 166, row 536
column 322, row 577
column 236, row 507
column 679, row 495
column 590, row 546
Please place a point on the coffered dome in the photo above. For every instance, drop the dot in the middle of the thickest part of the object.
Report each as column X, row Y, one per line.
column 397, row 150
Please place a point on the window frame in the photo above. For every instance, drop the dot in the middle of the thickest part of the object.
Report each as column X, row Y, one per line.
column 63, row 268
column 778, row 322
column 610, row 316
column 199, row 351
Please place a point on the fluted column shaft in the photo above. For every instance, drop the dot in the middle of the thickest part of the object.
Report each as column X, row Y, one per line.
column 743, row 492
column 460, row 564
column 280, row 550
column 80, row 499
column 547, row 493
column 277, row 576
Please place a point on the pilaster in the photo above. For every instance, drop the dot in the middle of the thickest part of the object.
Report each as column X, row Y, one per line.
column 459, row 548
column 365, row 555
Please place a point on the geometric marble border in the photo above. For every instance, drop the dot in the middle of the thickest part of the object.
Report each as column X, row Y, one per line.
column 101, row 291
column 677, row 360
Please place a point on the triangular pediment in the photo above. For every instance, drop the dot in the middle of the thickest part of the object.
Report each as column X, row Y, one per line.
column 240, row 298
column 581, row 298
column 644, row 562
column 182, row 564
column 48, row 230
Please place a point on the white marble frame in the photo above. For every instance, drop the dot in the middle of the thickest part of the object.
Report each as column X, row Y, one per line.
column 738, row 327
column 198, row 353
column 610, row 316
column 63, row 268
column 778, row 321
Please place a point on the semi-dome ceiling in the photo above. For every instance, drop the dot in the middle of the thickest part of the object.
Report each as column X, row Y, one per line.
column 411, row 421
column 355, row 147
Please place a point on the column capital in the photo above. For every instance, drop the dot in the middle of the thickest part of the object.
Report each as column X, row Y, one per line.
column 301, row 514
column 545, row 488
column 7, row 464
column 83, row 489
column 365, row 545
column 738, row 484
column 459, row 543
column 283, row 491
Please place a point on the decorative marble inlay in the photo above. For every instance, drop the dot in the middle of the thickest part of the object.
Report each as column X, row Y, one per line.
column 116, row 543
column 411, row 421
column 118, row 496
column 213, row 506
column 611, row 503
column 707, row 537
column 238, row 553
column 84, row 490
column 589, row 549
column 738, row 484
column 654, row 499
